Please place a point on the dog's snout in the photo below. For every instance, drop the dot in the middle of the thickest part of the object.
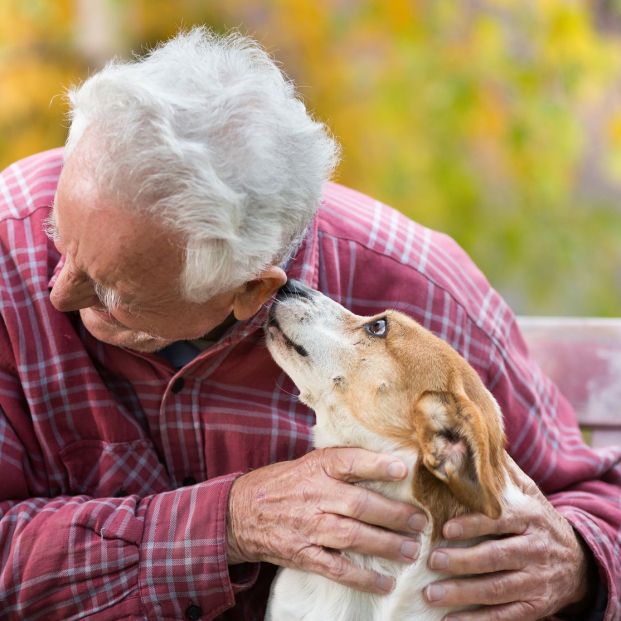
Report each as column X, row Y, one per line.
column 294, row 288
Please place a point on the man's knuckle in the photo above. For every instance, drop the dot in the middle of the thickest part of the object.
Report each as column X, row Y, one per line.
column 305, row 557
column 539, row 548
column 339, row 567
column 497, row 589
column 546, row 592
column 358, row 503
column 528, row 485
column 495, row 615
column 314, row 461
column 536, row 519
column 403, row 513
column 343, row 466
column 308, row 494
column 529, row 611
column 496, row 557
column 318, row 525
column 477, row 525
column 350, row 533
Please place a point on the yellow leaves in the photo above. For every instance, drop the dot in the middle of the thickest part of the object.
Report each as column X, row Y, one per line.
column 614, row 129
column 489, row 38
column 31, row 115
column 27, row 23
column 613, row 150
column 30, row 84
column 568, row 33
column 36, row 63
column 401, row 16
column 467, row 116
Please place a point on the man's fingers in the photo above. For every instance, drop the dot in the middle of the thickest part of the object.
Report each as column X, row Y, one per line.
column 346, row 534
column 368, row 506
column 338, row 568
column 468, row 592
column 524, row 482
column 475, row 525
column 515, row 611
column 489, row 590
column 483, row 558
column 356, row 464
column 353, row 464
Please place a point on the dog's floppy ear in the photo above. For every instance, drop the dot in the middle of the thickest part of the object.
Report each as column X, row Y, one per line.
column 462, row 449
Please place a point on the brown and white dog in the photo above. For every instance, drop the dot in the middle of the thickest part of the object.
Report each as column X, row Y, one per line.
column 387, row 384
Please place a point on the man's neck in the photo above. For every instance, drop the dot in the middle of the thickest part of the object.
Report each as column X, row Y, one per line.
column 218, row 331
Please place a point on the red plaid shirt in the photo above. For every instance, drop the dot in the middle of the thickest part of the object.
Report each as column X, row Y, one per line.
column 115, row 467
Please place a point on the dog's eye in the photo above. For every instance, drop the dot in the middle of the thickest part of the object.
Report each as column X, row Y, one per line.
column 377, row 327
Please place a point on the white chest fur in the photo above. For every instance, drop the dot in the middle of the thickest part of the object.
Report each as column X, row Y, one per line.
column 297, row 595
column 302, row 596
column 370, row 380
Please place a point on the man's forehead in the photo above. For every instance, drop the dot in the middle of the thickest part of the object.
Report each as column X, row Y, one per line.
column 77, row 176
column 111, row 244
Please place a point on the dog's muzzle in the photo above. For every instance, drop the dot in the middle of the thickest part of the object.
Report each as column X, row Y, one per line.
column 294, row 289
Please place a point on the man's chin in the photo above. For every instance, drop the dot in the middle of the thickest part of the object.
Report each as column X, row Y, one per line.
column 106, row 329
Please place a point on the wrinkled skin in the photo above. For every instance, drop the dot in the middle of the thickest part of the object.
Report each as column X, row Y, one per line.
column 535, row 567
column 288, row 513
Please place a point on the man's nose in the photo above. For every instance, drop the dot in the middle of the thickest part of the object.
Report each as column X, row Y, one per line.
column 72, row 291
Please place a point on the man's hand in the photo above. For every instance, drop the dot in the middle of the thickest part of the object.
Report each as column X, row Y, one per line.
column 535, row 568
column 302, row 513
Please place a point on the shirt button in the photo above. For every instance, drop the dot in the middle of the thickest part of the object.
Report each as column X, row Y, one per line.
column 189, row 480
column 193, row 612
column 178, row 385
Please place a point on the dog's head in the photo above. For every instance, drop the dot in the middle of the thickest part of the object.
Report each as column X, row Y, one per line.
column 386, row 383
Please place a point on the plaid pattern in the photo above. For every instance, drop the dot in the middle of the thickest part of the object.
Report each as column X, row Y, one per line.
column 115, row 467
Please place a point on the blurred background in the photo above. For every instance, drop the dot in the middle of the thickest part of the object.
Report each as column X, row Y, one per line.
column 498, row 122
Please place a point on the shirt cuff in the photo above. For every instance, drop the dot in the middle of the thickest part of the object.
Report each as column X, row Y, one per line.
column 598, row 610
column 243, row 576
column 183, row 555
column 601, row 608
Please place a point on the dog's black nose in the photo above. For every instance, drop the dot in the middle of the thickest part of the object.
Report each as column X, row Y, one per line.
column 294, row 288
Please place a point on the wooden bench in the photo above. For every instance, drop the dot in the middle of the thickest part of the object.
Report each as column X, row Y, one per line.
column 583, row 357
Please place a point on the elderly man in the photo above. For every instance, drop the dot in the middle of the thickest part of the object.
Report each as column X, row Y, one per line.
column 154, row 461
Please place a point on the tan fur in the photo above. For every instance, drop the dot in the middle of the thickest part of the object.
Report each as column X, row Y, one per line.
column 405, row 392
column 451, row 423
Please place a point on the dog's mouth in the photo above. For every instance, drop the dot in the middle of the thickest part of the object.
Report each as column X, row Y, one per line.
column 273, row 324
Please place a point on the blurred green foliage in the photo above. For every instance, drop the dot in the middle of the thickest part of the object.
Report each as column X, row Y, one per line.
column 498, row 122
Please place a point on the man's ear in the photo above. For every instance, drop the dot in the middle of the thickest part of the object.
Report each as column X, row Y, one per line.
column 252, row 295
column 462, row 449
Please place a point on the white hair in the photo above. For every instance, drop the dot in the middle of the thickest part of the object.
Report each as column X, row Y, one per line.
column 206, row 133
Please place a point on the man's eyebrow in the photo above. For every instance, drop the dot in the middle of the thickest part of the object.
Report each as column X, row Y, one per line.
column 108, row 296
column 111, row 298
column 50, row 227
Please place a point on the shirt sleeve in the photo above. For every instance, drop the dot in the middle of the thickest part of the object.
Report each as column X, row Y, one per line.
column 583, row 484
column 161, row 556
column 153, row 557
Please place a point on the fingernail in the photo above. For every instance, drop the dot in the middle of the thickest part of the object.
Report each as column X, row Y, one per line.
column 385, row 584
column 452, row 531
column 417, row 522
column 397, row 470
column 438, row 560
column 434, row 592
column 410, row 550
